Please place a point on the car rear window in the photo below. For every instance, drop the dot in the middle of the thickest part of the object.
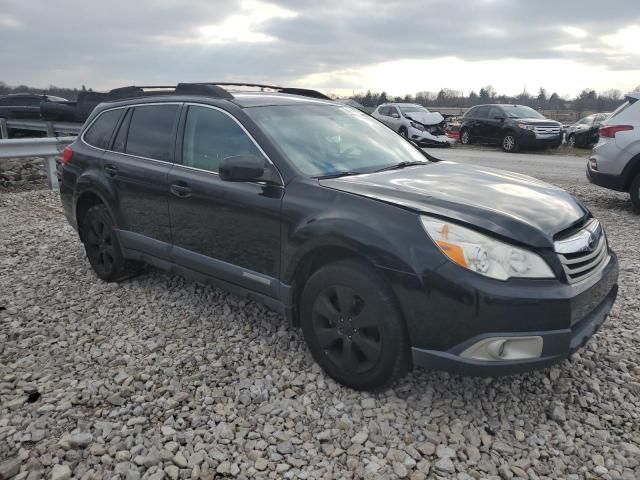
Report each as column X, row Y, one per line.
column 99, row 133
column 150, row 131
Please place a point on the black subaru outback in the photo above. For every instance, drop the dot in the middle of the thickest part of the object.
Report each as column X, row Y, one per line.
column 386, row 258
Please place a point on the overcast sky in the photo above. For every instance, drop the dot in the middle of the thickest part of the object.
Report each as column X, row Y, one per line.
column 337, row 46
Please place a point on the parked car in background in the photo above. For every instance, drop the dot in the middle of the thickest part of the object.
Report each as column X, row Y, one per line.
column 511, row 126
column 24, row 105
column 78, row 111
column 415, row 122
column 384, row 256
column 584, row 133
column 615, row 159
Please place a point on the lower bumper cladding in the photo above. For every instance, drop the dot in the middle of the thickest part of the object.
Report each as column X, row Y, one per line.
column 505, row 353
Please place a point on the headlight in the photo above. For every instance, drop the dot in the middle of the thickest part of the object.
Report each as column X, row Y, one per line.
column 524, row 126
column 485, row 255
column 417, row 126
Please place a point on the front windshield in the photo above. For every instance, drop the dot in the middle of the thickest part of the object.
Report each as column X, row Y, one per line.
column 330, row 139
column 520, row 111
column 413, row 108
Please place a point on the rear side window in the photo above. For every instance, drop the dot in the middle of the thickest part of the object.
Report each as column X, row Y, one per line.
column 99, row 134
column 482, row 112
column 150, row 131
column 210, row 136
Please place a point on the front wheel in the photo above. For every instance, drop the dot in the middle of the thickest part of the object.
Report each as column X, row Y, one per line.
column 571, row 141
column 353, row 327
column 635, row 193
column 510, row 143
column 403, row 131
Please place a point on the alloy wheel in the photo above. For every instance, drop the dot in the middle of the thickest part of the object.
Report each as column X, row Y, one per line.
column 100, row 244
column 464, row 139
column 347, row 329
column 508, row 142
column 572, row 141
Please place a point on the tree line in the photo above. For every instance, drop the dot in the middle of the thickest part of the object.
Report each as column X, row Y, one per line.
column 587, row 100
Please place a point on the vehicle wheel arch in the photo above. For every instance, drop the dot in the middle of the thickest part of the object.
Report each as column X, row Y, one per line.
column 87, row 195
column 314, row 259
column 631, row 171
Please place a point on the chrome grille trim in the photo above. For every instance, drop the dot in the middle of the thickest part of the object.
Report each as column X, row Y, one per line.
column 579, row 261
column 548, row 131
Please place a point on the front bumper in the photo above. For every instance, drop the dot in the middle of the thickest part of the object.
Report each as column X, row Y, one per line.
column 530, row 139
column 425, row 138
column 565, row 323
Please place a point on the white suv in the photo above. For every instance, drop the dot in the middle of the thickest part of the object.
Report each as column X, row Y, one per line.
column 615, row 159
column 415, row 122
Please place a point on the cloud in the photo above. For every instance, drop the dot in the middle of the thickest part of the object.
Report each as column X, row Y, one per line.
column 331, row 44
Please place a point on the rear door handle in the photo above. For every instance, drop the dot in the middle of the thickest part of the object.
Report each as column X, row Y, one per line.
column 181, row 191
column 111, row 170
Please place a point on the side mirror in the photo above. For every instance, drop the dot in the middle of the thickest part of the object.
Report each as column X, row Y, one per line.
column 395, row 115
column 246, row 168
column 500, row 119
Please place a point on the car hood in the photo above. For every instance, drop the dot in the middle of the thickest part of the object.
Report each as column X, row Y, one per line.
column 538, row 121
column 426, row 118
column 508, row 204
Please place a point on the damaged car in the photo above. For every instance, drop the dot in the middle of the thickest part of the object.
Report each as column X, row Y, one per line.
column 415, row 122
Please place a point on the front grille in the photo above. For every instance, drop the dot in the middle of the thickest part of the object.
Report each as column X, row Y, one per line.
column 546, row 131
column 583, row 253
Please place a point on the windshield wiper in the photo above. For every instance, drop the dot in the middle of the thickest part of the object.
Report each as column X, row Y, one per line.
column 338, row 174
column 400, row 165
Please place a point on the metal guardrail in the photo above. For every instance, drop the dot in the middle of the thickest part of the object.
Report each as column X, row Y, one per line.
column 34, row 125
column 48, row 147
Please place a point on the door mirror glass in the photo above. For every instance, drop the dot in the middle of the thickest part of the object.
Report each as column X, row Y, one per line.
column 395, row 115
column 246, row 168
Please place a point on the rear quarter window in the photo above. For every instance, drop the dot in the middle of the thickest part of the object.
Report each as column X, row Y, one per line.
column 101, row 130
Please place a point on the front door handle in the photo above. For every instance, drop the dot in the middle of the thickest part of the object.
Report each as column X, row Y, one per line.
column 181, row 191
column 111, row 170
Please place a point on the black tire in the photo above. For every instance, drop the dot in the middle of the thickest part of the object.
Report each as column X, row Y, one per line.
column 634, row 191
column 510, row 142
column 353, row 327
column 571, row 141
column 465, row 137
column 102, row 247
column 403, row 131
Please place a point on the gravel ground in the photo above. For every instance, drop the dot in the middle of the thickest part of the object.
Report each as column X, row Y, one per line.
column 158, row 377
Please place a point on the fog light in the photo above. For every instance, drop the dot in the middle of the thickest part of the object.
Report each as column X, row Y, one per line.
column 505, row 348
column 594, row 163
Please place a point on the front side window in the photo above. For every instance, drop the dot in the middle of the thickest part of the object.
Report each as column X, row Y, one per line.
column 210, row 136
column 587, row 120
column 495, row 113
column 393, row 111
column 99, row 134
column 150, row 131
column 329, row 139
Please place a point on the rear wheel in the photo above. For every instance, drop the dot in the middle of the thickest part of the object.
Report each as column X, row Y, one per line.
column 465, row 137
column 353, row 327
column 635, row 193
column 102, row 246
column 510, row 142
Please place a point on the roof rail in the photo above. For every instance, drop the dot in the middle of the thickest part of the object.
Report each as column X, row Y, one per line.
column 209, row 89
